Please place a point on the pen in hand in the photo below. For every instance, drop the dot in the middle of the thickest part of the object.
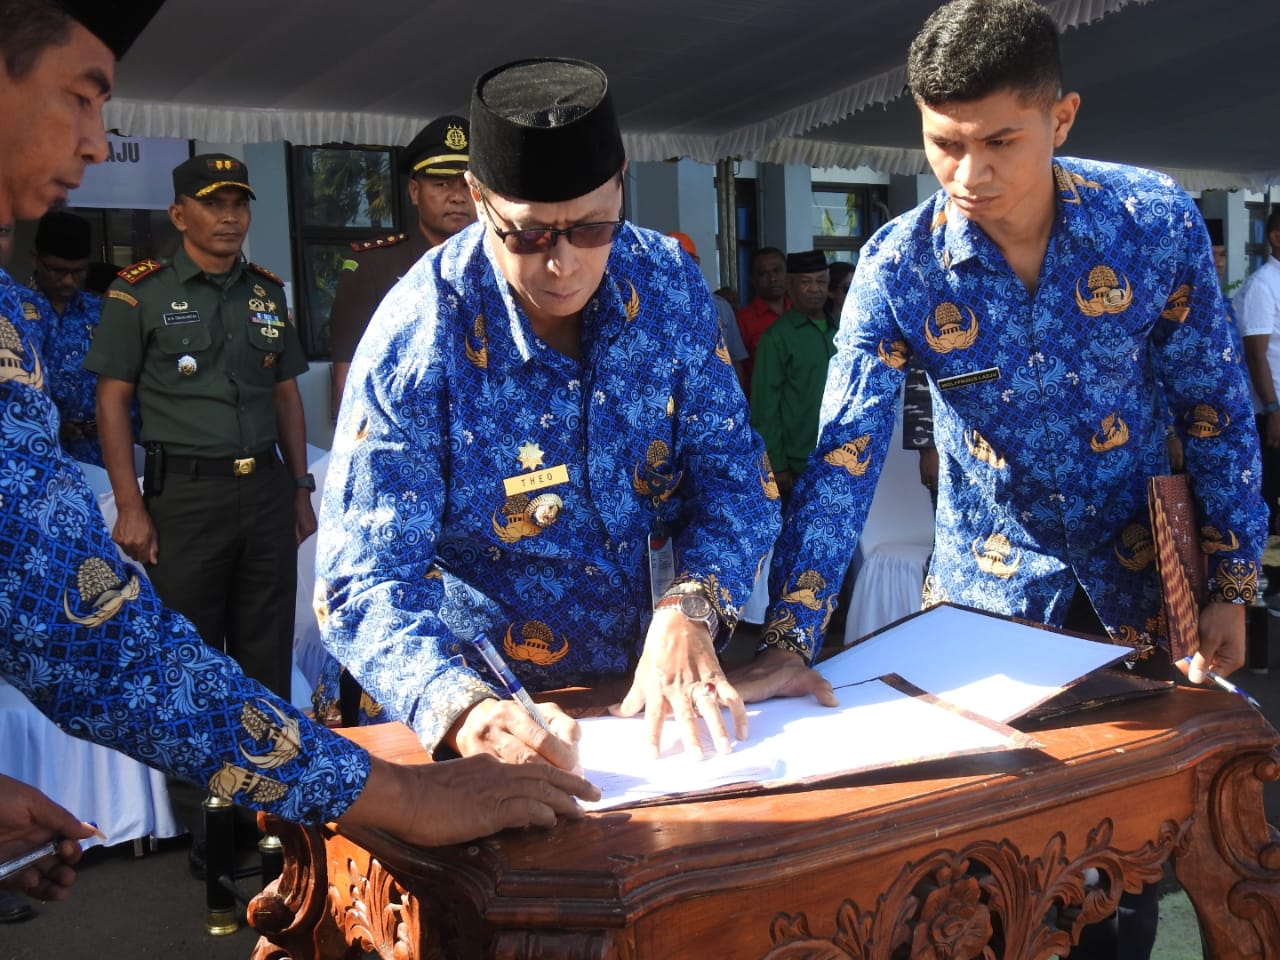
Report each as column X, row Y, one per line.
column 1228, row 686
column 10, row 867
column 508, row 679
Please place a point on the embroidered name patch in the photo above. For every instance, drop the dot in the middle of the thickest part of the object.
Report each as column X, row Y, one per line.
column 182, row 316
column 969, row 379
column 523, row 483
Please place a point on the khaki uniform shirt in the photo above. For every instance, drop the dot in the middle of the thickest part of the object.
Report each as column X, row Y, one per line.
column 204, row 352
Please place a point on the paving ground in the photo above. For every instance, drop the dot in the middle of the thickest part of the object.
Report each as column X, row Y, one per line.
column 150, row 907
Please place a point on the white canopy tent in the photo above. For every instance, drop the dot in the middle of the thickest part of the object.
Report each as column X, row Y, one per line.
column 1182, row 85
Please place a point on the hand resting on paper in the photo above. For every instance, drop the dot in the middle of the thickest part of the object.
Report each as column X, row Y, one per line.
column 504, row 729
column 1222, row 642
column 780, row 673
column 679, row 675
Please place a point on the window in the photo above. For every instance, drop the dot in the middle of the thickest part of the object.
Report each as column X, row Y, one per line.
column 341, row 194
column 747, row 214
column 845, row 217
column 1256, row 249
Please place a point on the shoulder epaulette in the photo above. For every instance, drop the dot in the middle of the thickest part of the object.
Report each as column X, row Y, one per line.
column 143, row 268
column 264, row 272
column 360, row 246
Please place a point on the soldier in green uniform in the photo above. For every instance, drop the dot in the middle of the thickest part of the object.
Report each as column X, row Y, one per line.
column 204, row 342
column 434, row 162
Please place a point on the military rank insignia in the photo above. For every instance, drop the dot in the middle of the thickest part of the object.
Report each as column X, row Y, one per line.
column 143, row 268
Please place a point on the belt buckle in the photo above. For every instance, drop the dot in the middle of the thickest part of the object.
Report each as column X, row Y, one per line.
column 243, row 467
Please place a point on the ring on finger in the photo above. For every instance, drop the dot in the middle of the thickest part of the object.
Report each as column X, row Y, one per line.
column 699, row 690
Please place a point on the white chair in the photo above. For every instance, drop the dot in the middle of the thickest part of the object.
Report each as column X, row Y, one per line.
column 895, row 545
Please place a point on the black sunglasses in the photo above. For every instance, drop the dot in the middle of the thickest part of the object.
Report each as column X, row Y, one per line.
column 542, row 239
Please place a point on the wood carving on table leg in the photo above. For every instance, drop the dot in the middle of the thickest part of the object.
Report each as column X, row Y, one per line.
column 377, row 913
column 290, row 911
column 1230, row 863
column 986, row 901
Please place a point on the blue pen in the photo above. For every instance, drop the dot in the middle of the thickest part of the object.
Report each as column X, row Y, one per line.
column 508, row 679
column 1228, row 686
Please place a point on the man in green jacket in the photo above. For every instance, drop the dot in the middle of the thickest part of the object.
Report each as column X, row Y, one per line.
column 791, row 370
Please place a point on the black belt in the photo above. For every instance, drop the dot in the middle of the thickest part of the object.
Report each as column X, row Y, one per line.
column 219, row 466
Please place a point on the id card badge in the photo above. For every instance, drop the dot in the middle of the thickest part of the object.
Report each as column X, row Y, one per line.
column 662, row 565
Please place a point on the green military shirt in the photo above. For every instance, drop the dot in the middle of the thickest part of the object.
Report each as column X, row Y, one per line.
column 204, row 352
column 786, row 386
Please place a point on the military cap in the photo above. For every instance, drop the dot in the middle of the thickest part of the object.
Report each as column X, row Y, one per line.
column 440, row 149
column 207, row 172
column 61, row 233
column 811, row 261
column 116, row 23
column 544, row 130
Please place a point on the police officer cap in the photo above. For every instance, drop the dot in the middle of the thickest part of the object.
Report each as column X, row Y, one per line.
column 207, row 172
column 811, row 261
column 115, row 23
column 440, row 149
column 63, row 234
column 544, row 130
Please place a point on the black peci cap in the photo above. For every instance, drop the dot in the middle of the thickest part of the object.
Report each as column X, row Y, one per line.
column 544, row 130
column 115, row 23
column 1216, row 237
column 207, row 172
column 439, row 150
column 811, row 261
column 61, row 233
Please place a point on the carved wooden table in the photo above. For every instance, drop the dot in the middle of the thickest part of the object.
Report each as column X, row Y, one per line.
column 980, row 857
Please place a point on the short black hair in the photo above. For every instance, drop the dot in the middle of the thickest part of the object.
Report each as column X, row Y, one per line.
column 27, row 29
column 970, row 49
column 766, row 251
column 1273, row 221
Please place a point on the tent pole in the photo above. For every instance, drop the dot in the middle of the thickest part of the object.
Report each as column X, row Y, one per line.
column 727, row 223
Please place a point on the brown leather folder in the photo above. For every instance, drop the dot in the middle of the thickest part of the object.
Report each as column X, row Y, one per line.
column 1179, row 560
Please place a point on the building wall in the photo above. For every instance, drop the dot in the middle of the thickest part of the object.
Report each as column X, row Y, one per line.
column 676, row 195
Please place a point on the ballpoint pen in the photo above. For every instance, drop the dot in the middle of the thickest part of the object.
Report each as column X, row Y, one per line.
column 1228, row 686
column 10, row 867
column 508, row 679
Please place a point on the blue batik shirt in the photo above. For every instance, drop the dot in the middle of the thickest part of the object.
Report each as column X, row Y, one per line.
column 1048, row 411
column 84, row 638
column 482, row 481
column 66, row 341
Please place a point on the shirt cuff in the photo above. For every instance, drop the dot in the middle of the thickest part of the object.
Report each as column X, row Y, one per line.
column 1234, row 581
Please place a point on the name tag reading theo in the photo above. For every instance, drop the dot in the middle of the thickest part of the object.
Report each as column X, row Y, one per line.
column 969, row 379
column 525, row 482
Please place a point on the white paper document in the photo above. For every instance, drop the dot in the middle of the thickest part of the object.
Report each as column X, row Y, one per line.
column 975, row 672
column 789, row 740
column 996, row 667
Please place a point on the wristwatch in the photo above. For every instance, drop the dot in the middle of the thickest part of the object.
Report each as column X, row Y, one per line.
column 305, row 482
column 695, row 607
